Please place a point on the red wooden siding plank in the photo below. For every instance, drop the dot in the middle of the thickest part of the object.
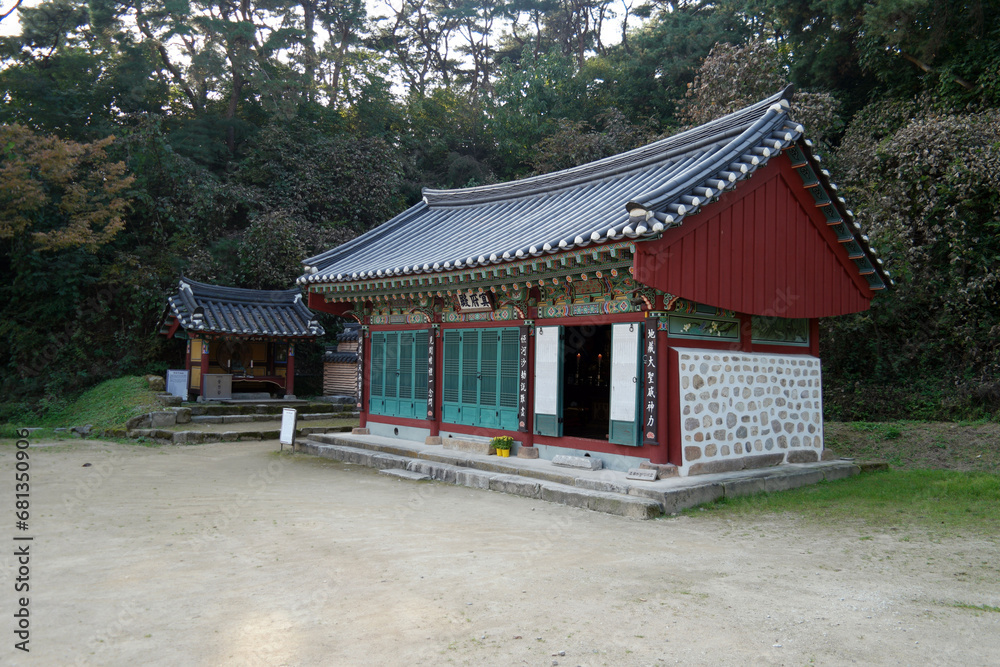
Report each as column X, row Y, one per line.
column 763, row 249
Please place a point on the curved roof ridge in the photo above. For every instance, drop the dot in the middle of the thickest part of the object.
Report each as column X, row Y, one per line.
column 684, row 142
column 206, row 291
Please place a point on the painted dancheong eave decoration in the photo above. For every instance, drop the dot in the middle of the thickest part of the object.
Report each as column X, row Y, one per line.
column 729, row 236
column 247, row 334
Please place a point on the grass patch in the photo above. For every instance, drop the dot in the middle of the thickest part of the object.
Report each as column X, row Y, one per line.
column 941, row 500
column 107, row 405
column 976, row 607
column 967, row 446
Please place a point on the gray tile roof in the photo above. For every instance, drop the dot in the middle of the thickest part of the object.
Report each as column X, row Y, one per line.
column 203, row 308
column 332, row 356
column 634, row 195
column 350, row 332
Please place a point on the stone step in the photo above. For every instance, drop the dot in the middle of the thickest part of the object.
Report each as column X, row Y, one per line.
column 205, row 437
column 275, row 408
column 243, row 419
column 511, row 481
column 405, row 474
column 475, row 444
column 615, row 493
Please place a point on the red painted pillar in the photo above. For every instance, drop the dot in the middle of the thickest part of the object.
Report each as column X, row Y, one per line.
column 290, row 371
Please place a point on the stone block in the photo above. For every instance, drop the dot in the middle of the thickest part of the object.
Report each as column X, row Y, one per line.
column 270, row 435
column 663, row 470
column 578, row 462
column 82, row 431
column 405, row 474
column 237, row 419
column 786, row 480
column 840, row 472
column 566, row 496
column 230, row 436
column 641, row 474
column 161, row 434
column 134, row 433
column 156, row 383
column 207, row 419
column 802, row 456
column 762, row 461
column 432, row 440
column 515, row 485
column 250, row 436
column 746, row 486
column 169, row 400
column 636, row 508
column 360, row 431
column 527, row 452
column 600, row 485
column 720, row 465
column 439, row 471
column 474, row 479
column 141, row 421
column 182, row 415
column 383, row 461
column 546, row 474
column 829, row 455
column 680, row 498
column 470, row 444
column 162, row 419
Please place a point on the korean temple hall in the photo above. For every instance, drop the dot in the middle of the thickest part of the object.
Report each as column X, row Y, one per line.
column 247, row 334
column 659, row 306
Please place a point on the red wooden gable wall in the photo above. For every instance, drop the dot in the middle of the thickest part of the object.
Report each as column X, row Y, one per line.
column 762, row 249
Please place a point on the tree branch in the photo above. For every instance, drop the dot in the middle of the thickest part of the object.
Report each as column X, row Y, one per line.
column 968, row 85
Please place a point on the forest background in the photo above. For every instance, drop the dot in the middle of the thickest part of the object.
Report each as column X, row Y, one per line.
column 228, row 140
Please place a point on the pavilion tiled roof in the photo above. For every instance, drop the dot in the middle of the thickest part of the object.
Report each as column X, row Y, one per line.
column 203, row 308
column 631, row 196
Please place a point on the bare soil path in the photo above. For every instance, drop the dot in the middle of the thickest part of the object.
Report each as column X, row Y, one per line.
column 230, row 554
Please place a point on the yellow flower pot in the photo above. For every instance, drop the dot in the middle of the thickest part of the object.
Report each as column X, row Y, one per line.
column 503, row 452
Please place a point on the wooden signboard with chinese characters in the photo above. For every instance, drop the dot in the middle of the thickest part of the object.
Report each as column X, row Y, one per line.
column 474, row 303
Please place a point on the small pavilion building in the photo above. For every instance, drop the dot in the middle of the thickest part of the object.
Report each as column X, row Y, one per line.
column 247, row 335
column 656, row 307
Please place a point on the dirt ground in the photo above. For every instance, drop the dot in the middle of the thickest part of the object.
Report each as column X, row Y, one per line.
column 230, row 554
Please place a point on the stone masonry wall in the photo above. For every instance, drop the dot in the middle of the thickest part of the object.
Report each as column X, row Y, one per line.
column 746, row 410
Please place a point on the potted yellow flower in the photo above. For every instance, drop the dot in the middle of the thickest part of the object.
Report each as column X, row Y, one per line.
column 502, row 444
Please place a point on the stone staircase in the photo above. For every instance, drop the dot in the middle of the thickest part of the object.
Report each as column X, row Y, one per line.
column 265, row 417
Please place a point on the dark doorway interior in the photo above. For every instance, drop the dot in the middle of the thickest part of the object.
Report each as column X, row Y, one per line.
column 587, row 381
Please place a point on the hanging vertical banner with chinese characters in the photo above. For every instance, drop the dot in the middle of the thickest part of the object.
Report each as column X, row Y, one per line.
column 430, row 374
column 522, row 379
column 650, row 399
column 361, row 369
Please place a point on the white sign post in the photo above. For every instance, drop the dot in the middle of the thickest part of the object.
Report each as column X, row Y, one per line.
column 288, row 419
column 177, row 384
